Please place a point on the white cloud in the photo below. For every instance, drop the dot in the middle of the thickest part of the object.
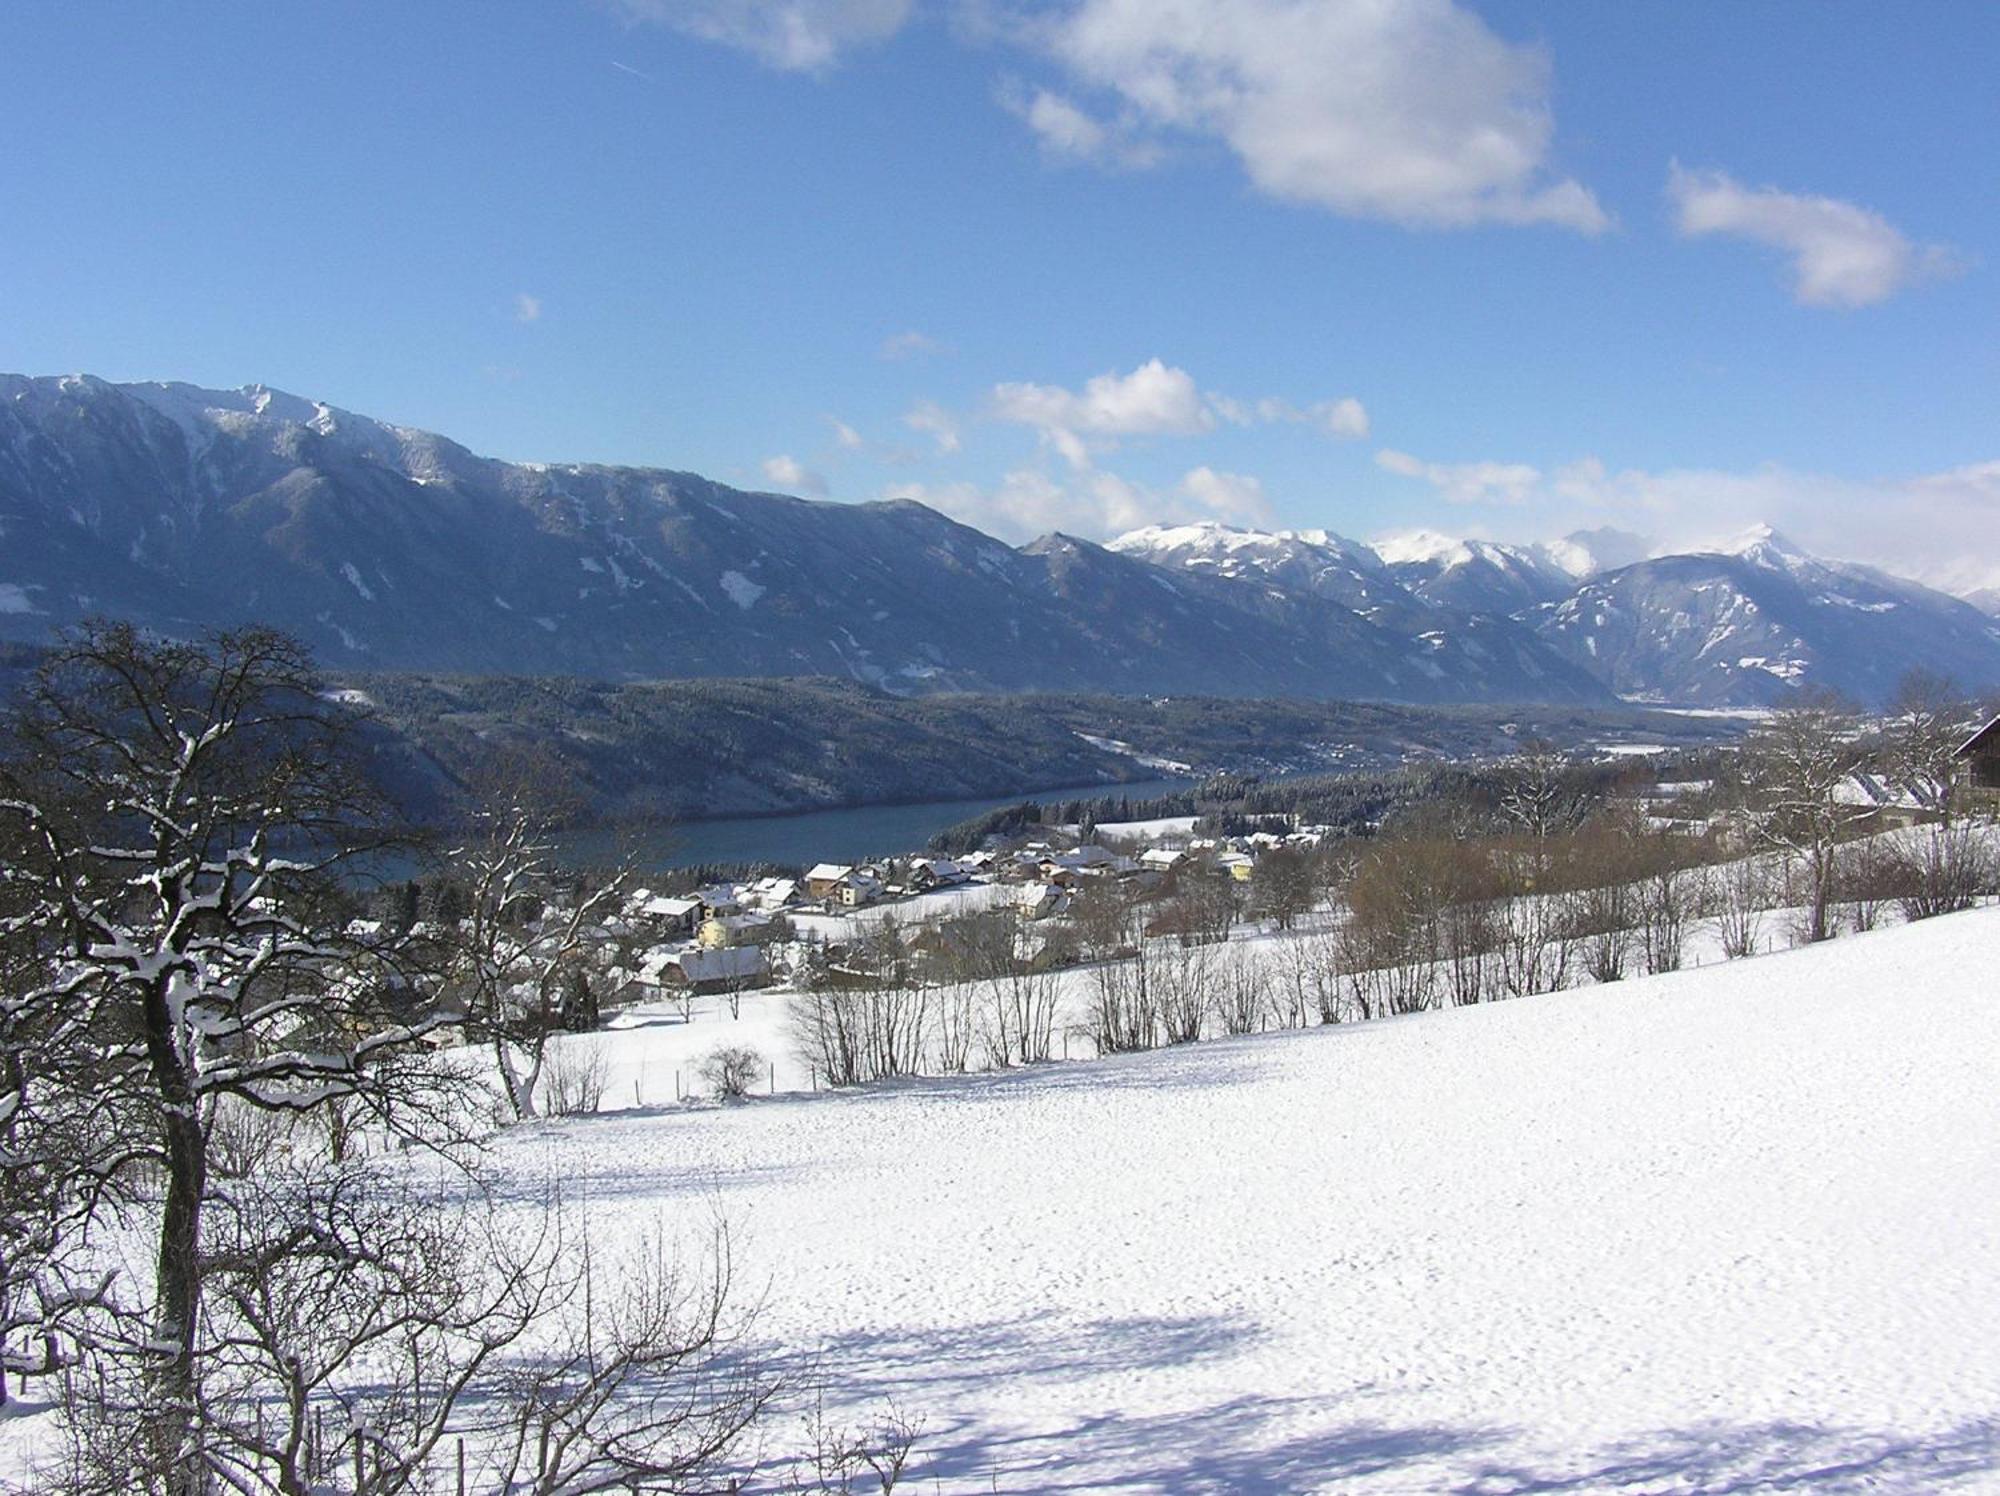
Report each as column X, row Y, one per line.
column 1230, row 496
column 1466, row 482
column 1411, row 111
column 1345, row 418
column 1069, row 132
column 527, row 308
column 794, row 476
column 1153, row 400
column 1842, row 254
column 845, row 436
column 1916, row 526
column 1095, row 504
column 935, row 421
column 911, row 344
column 795, row 35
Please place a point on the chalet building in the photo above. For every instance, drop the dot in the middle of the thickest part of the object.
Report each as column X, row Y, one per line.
column 1980, row 754
column 849, row 887
column 667, row 918
column 737, row 966
column 822, row 879
column 722, row 931
column 773, row 894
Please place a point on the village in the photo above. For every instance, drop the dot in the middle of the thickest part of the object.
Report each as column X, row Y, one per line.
column 1039, row 903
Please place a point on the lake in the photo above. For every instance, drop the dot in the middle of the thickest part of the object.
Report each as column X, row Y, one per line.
column 848, row 835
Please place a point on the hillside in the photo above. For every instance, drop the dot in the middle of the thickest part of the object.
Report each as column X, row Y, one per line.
column 687, row 749
column 386, row 547
column 1731, row 1229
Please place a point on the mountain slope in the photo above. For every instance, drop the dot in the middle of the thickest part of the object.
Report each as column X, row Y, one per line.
column 391, row 548
column 1745, row 625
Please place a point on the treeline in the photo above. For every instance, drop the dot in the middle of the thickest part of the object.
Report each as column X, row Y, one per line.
column 678, row 750
column 1349, row 804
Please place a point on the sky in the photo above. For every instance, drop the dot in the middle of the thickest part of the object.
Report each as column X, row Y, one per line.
column 1499, row 269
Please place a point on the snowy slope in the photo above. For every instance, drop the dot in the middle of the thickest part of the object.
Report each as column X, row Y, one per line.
column 1736, row 1229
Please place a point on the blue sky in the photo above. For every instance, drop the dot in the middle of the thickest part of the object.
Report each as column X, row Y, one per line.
column 1490, row 268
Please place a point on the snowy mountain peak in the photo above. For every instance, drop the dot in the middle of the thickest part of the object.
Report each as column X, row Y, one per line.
column 1423, row 548
column 1762, row 545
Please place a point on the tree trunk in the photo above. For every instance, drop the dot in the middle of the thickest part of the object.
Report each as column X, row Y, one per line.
column 178, row 1271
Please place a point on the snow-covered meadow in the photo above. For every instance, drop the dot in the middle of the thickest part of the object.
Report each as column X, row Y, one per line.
column 1731, row 1229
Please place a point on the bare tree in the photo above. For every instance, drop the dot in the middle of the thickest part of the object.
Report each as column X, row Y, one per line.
column 357, row 1320
column 1537, row 791
column 178, row 960
column 1798, row 762
column 1929, row 718
column 1283, row 885
column 731, row 1071
column 185, row 806
column 1740, row 893
column 515, row 958
column 1945, row 869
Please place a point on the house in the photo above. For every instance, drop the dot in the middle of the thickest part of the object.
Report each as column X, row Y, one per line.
column 927, row 873
column 704, row 970
column 1041, row 901
column 773, row 894
column 1161, row 859
column 1890, row 804
column 824, row 879
column 1980, row 754
column 720, row 898
column 668, row 918
column 848, row 887
column 723, row 931
column 1238, row 865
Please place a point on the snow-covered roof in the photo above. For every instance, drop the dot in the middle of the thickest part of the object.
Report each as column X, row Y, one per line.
column 827, row 872
column 1990, row 730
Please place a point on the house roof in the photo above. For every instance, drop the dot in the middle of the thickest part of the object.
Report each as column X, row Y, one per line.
column 1987, row 737
column 827, row 872
column 714, row 965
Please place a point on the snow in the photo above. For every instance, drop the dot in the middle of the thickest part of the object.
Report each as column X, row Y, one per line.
column 14, row 599
column 1159, row 826
column 1126, row 750
column 741, row 590
column 353, row 575
column 1734, row 1229
column 1426, row 546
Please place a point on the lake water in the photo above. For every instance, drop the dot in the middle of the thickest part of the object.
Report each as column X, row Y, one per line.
column 814, row 836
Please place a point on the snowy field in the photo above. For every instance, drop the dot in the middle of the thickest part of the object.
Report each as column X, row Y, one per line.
column 1735, row 1229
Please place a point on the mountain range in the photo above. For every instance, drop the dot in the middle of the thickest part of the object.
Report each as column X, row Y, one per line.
column 388, row 548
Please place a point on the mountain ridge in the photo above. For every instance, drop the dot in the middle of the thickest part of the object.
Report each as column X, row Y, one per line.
column 387, row 547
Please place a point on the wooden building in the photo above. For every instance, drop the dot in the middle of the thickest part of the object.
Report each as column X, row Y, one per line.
column 1980, row 754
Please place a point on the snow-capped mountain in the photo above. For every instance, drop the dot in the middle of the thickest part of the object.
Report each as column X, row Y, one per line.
column 1289, row 573
column 1743, row 623
column 1479, row 576
column 1315, row 562
column 1740, row 623
column 388, row 547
